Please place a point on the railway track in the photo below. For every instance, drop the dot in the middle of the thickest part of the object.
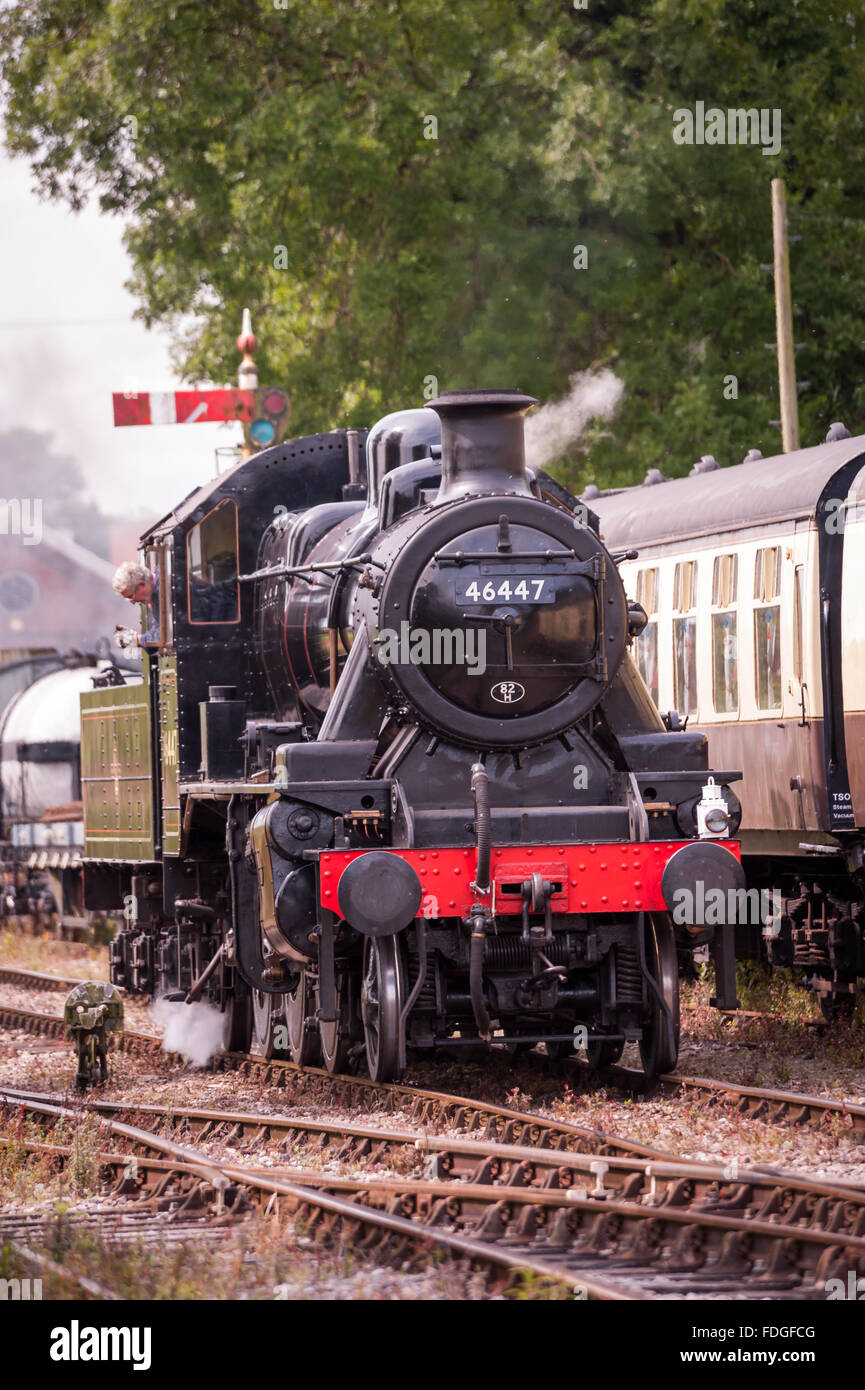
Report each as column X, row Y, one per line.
column 425, row 1108
column 658, row 1229
column 36, row 979
column 377, row 1233
column 773, row 1107
column 788, row 1108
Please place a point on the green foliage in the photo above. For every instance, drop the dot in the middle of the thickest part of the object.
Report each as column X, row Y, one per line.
column 224, row 132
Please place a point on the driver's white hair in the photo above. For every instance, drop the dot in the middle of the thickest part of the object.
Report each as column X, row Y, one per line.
column 129, row 575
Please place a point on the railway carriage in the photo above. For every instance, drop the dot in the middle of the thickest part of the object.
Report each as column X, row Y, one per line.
column 753, row 579
column 386, row 786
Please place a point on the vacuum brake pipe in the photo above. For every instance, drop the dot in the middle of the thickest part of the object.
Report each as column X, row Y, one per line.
column 477, row 918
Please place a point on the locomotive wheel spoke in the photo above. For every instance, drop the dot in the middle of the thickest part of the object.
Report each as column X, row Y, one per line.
column 381, row 1004
column 267, row 1016
column 336, row 1037
column 303, row 1041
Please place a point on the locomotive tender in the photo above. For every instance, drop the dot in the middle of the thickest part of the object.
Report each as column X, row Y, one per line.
column 392, row 783
column 752, row 577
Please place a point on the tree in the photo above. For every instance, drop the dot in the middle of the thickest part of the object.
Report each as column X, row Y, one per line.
column 397, row 188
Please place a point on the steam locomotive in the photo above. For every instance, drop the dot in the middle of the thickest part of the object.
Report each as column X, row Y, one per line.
column 392, row 783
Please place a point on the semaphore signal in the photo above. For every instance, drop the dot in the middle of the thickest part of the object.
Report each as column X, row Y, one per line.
column 264, row 412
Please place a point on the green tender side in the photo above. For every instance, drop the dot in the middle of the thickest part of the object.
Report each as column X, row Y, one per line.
column 168, row 746
column 116, row 776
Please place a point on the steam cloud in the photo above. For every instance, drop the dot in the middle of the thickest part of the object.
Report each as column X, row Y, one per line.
column 556, row 426
column 193, row 1030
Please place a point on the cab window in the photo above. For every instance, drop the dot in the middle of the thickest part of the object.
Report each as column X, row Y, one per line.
column 211, row 566
column 158, row 617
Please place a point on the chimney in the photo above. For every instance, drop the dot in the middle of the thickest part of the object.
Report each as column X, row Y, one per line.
column 483, row 442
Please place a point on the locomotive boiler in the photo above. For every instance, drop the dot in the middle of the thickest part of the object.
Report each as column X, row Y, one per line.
column 408, row 791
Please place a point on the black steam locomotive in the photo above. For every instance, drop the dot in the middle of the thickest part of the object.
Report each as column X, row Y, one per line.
column 392, row 783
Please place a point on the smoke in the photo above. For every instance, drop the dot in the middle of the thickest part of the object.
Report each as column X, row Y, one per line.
column 553, row 429
column 193, row 1030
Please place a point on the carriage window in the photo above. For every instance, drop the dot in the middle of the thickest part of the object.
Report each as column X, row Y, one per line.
column 647, row 657
column 685, row 638
column 725, row 664
column 724, row 581
column 685, row 586
column 767, row 656
column 685, row 665
column 647, row 590
column 211, row 562
column 767, row 574
column 767, row 628
column 646, row 645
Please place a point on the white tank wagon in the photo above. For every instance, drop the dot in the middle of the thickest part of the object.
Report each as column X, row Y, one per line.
column 40, row 795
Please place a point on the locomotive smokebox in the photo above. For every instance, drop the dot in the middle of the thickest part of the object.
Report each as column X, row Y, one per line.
column 483, row 442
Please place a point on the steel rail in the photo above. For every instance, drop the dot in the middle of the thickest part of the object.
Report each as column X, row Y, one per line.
column 774, row 1107
column 685, row 1247
column 222, row 1177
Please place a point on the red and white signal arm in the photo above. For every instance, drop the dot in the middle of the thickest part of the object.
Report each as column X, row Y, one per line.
column 183, row 407
column 264, row 413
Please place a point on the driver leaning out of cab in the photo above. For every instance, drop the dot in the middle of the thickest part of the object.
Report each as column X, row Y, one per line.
column 138, row 584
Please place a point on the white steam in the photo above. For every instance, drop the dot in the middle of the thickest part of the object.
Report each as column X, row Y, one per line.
column 193, row 1030
column 553, row 429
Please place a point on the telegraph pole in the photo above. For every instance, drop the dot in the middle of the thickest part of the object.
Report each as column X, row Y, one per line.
column 784, row 321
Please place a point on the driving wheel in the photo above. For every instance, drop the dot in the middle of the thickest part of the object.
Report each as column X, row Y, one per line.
column 303, row 1041
column 382, row 998
column 659, row 1045
column 267, row 1017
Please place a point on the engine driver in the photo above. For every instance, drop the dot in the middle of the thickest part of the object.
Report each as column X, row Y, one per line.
column 139, row 585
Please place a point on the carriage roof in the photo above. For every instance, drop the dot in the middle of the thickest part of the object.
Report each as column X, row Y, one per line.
column 763, row 492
